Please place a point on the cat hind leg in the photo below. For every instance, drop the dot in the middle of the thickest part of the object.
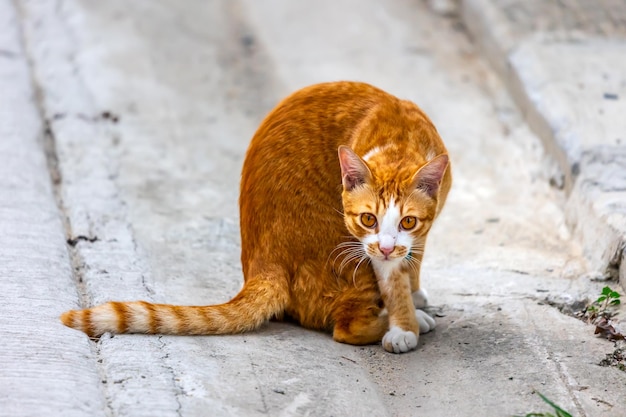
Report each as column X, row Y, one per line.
column 420, row 298
column 420, row 301
column 359, row 321
column 426, row 322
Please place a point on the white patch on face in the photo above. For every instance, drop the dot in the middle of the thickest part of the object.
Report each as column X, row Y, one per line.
column 388, row 230
column 389, row 237
column 404, row 239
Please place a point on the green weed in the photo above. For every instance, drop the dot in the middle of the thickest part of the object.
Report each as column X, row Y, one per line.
column 558, row 410
column 607, row 298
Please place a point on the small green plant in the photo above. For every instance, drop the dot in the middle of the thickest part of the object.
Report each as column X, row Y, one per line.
column 608, row 298
column 558, row 410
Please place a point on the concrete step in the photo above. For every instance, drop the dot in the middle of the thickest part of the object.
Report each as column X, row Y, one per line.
column 563, row 63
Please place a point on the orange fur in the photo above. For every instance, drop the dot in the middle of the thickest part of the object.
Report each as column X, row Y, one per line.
column 301, row 257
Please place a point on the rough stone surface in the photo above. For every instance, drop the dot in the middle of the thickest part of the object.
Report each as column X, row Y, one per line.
column 42, row 366
column 563, row 64
column 147, row 109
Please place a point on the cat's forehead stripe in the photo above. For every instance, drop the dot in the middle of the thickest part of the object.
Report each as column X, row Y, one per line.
column 388, row 199
column 375, row 150
column 371, row 153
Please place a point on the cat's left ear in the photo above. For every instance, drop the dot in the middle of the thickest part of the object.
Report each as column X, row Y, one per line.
column 354, row 172
column 428, row 178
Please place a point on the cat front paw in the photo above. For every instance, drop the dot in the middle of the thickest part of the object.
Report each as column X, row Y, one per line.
column 397, row 340
column 420, row 298
column 426, row 322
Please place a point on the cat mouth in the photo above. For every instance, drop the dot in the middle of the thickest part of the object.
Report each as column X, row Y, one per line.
column 398, row 253
column 393, row 256
column 389, row 257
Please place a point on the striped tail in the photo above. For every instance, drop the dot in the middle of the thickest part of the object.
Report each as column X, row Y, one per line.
column 257, row 303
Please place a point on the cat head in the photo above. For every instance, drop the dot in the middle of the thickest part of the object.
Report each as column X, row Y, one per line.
column 389, row 209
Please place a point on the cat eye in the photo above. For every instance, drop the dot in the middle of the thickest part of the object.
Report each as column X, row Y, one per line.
column 408, row 223
column 368, row 220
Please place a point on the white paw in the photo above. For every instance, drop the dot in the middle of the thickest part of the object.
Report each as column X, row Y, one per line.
column 397, row 340
column 420, row 298
column 426, row 322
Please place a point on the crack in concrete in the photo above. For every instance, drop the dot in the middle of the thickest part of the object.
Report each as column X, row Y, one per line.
column 104, row 386
column 145, row 277
column 259, row 386
column 178, row 389
column 52, row 160
column 51, row 155
column 569, row 386
column 563, row 375
column 74, row 240
column 79, row 239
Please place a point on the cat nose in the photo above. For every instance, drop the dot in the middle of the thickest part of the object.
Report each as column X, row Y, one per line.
column 386, row 244
column 386, row 250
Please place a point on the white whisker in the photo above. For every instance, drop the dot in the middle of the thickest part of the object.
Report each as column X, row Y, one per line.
column 342, row 245
column 351, row 255
column 340, row 212
column 415, row 262
column 346, row 253
column 363, row 258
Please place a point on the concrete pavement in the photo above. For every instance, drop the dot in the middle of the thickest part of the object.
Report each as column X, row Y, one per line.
column 124, row 126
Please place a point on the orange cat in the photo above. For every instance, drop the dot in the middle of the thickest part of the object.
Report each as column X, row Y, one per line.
column 340, row 186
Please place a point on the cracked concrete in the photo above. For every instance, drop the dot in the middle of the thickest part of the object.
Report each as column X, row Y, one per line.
column 40, row 370
column 144, row 111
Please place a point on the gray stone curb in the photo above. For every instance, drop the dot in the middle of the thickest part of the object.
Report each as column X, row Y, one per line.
column 563, row 66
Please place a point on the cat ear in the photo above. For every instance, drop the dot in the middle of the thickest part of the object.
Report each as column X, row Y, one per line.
column 428, row 178
column 354, row 172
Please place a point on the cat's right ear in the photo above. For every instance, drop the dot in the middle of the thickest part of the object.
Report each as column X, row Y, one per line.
column 429, row 177
column 354, row 172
